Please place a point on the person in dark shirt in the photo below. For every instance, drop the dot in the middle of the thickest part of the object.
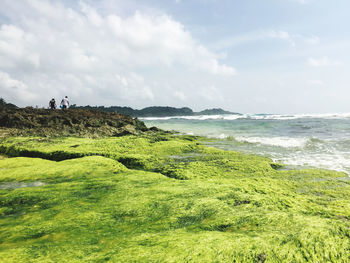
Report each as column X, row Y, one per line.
column 52, row 104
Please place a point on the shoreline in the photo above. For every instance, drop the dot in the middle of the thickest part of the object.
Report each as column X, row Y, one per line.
column 319, row 143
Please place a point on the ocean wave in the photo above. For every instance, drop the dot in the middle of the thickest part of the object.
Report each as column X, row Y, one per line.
column 255, row 117
column 300, row 116
column 199, row 117
column 303, row 152
column 285, row 142
column 335, row 161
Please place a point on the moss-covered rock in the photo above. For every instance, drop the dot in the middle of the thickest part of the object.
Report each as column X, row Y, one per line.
column 164, row 198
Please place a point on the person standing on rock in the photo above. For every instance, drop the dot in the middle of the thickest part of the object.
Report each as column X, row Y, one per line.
column 52, row 104
column 65, row 103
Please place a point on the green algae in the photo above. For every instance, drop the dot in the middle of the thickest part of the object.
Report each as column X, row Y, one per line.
column 165, row 198
column 145, row 153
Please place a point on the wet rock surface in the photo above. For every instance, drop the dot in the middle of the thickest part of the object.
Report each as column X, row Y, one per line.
column 16, row 185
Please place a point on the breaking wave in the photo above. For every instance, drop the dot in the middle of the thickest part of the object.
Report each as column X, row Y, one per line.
column 284, row 142
column 276, row 141
column 254, row 117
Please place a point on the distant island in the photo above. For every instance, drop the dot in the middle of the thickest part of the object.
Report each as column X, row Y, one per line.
column 155, row 111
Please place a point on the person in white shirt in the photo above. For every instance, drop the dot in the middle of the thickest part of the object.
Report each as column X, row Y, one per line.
column 65, row 103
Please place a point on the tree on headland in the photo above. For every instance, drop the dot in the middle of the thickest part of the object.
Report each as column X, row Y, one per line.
column 4, row 105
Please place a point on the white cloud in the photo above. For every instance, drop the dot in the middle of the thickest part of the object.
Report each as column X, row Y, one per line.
column 278, row 34
column 211, row 93
column 180, row 95
column 47, row 45
column 123, row 81
column 14, row 88
column 316, row 82
column 256, row 36
column 17, row 48
column 322, row 62
column 313, row 40
column 282, row 35
column 148, row 93
column 303, row 2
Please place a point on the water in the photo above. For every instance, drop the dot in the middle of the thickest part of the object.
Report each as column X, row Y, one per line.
column 318, row 140
column 15, row 185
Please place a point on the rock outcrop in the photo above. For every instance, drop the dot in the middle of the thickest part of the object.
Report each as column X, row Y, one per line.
column 68, row 122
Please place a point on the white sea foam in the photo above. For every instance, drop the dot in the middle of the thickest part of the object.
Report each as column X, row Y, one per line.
column 255, row 117
column 223, row 136
column 297, row 151
column 199, row 117
column 234, row 117
column 334, row 161
column 285, row 142
column 300, row 116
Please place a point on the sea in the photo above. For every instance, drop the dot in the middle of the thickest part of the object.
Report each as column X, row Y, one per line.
column 298, row 141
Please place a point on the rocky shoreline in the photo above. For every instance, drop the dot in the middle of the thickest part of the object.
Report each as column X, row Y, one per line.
column 87, row 123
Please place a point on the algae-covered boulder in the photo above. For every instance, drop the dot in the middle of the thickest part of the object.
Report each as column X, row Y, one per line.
column 164, row 198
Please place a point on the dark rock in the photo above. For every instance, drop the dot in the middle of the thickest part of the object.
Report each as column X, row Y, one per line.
column 155, row 129
column 77, row 122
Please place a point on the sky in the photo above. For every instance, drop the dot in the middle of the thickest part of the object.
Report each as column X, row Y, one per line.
column 253, row 56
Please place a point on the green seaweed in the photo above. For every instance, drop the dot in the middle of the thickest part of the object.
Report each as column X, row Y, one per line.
column 165, row 198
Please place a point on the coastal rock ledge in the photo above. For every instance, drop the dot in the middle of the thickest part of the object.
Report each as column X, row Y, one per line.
column 44, row 122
